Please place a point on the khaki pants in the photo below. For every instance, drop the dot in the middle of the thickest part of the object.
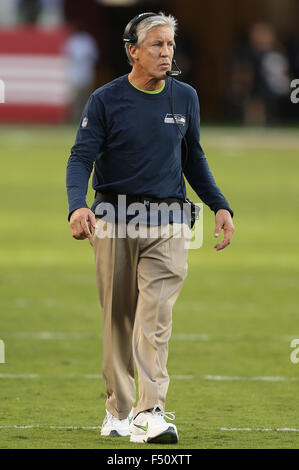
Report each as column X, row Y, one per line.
column 139, row 280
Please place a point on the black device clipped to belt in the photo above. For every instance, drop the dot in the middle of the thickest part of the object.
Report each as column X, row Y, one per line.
column 193, row 207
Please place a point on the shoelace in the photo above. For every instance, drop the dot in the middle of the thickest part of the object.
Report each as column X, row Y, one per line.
column 165, row 414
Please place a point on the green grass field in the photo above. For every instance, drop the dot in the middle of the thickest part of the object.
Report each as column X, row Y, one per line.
column 233, row 384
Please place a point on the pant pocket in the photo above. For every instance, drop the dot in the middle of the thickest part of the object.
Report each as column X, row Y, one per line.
column 176, row 250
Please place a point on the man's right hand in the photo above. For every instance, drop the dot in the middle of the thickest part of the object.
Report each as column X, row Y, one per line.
column 80, row 222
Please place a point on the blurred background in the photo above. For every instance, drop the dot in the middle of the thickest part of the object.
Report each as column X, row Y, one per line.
column 238, row 310
column 240, row 56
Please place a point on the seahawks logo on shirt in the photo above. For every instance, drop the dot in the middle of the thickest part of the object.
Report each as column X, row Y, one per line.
column 84, row 122
column 178, row 117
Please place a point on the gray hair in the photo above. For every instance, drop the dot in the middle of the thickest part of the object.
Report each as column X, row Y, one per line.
column 145, row 25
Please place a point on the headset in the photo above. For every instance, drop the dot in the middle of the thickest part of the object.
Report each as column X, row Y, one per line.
column 131, row 38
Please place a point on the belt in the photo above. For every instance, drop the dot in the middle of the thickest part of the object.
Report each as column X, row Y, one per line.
column 131, row 198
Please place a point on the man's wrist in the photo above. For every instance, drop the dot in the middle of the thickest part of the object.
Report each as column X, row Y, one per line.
column 225, row 209
column 79, row 206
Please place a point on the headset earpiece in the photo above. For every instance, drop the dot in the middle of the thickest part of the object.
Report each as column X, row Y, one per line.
column 131, row 37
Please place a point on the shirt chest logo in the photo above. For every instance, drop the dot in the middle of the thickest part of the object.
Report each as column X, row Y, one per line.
column 85, row 122
column 180, row 119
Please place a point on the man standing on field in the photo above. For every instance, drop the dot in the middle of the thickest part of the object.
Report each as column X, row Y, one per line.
column 131, row 134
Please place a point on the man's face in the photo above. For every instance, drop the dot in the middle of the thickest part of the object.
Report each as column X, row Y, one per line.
column 155, row 54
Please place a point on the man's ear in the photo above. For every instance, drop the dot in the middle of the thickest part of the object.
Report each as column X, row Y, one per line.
column 134, row 51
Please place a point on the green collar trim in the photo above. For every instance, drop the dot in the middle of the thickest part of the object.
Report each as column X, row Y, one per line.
column 150, row 92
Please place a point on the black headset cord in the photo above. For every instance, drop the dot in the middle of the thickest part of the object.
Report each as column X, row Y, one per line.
column 194, row 215
column 184, row 139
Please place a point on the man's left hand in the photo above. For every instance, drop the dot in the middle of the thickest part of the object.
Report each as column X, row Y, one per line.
column 223, row 220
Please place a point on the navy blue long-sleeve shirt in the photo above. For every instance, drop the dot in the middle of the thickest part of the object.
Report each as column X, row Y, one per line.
column 130, row 139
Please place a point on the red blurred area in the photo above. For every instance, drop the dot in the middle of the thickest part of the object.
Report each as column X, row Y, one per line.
column 32, row 40
column 34, row 70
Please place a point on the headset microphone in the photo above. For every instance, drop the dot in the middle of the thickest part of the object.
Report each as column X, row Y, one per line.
column 174, row 73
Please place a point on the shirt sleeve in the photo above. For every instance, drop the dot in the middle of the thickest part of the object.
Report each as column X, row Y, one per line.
column 197, row 170
column 89, row 142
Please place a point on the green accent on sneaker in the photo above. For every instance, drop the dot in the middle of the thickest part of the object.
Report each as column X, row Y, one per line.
column 144, row 428
column 130, row 420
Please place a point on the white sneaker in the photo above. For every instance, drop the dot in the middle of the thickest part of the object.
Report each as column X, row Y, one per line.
column 116, row 427
column 150, row 426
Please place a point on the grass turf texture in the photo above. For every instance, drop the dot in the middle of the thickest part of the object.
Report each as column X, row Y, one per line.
column 236, row 314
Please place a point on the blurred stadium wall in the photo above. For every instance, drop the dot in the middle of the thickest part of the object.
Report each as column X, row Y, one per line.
column 213, row 50
column 33, row 66
column 34, row 71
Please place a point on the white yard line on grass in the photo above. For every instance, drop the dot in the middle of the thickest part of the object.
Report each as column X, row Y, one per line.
column 274, row 378
column 56, row 335
column 36, row 426
column 50, row 335
column 19, row 376
column 259, row 429
column 73, row 376
column 45, row 426
column 173, row 377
